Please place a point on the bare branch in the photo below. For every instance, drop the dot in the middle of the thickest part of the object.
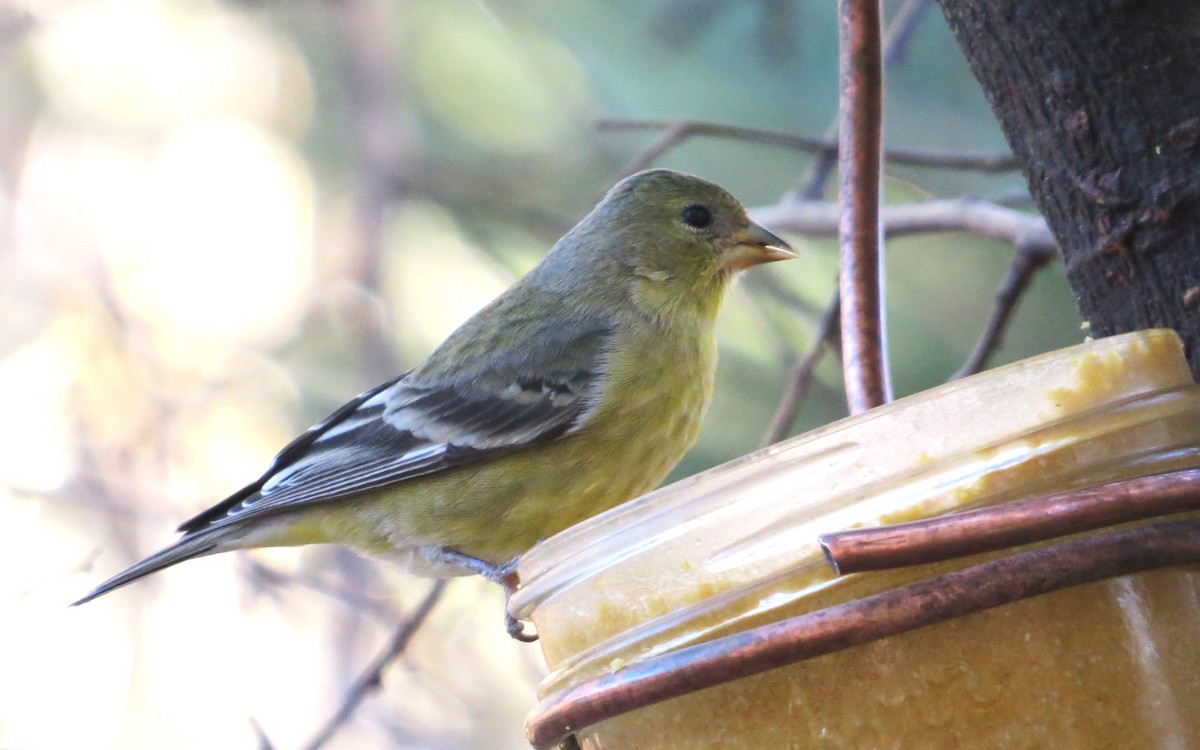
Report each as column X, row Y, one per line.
column 980, row 218
column 802, row 374
column 673, row 135
column 260, row 576
column 900, row 32
column 1027, row 232
column 676, row 132
column 1029, row 259
column 264, row 742
column 372, row 677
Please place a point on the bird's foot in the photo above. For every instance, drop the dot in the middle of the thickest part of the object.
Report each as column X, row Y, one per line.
column 505, row 575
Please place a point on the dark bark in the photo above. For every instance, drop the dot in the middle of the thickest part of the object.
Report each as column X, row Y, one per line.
column 1100, row 101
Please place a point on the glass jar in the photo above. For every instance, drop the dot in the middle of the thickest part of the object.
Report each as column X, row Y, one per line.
column 1113, row 664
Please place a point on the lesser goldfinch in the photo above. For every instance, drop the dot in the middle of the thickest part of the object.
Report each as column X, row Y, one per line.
column 578, row 388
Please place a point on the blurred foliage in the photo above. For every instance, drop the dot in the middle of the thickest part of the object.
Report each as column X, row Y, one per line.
column 220, row 220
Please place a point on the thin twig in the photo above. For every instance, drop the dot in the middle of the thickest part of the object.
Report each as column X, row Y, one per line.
column 732, row 657
column 900, row 32
column 372, row 677
column 264, row 742
column 675, row 133
column 1028, row 260
column 261, row 575
column 860, row 136
column 802, row 375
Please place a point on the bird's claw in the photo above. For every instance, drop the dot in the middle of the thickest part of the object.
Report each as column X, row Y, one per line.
column 506, row 576
column 516, row 629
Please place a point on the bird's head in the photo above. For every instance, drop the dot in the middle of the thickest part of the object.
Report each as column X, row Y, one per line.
column 676, row 226
column 679, row 238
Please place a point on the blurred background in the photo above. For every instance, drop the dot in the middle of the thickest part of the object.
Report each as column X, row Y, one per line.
column 220, row 220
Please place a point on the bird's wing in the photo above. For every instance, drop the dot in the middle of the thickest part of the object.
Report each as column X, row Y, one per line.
column 419, row 424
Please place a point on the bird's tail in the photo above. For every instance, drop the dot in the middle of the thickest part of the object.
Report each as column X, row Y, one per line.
column 193, row 545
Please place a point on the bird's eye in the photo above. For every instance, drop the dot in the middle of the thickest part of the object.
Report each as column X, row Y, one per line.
column 697, row 216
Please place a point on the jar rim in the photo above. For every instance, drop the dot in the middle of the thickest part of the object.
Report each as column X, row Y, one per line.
column 588, row 548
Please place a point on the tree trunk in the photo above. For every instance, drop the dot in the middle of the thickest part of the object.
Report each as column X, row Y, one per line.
column 1100, row 101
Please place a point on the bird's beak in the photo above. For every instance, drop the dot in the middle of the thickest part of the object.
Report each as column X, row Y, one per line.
column 753, row 245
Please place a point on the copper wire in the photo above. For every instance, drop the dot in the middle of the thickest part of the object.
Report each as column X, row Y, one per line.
column 990, row 584
column 1012, row 524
